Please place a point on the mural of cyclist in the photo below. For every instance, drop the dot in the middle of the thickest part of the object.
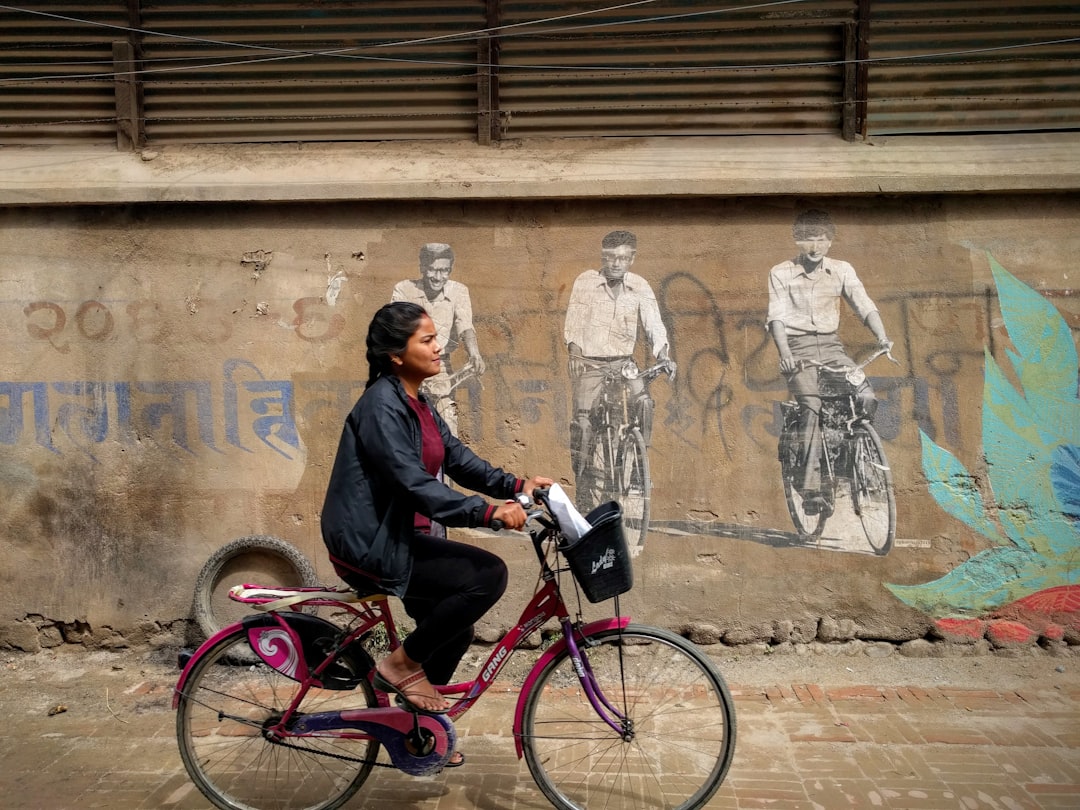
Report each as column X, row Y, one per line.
column 804, row 315
column 449, row 306
column 601, row 332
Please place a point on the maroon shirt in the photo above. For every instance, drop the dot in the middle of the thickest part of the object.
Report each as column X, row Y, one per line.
column 432, row 452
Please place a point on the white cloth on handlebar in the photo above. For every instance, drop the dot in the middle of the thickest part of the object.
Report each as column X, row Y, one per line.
column 571, row 522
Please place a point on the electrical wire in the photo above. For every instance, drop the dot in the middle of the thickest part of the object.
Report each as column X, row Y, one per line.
column 532, row 28
column 641, row 70
column 348, row 53
column 501, row 30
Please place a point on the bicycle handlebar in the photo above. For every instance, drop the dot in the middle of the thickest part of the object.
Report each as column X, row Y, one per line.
column 655, row 370
column 527, row 503
column 648, row 374
column 884, row 350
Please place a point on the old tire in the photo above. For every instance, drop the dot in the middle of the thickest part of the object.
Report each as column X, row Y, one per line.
column 257, row 559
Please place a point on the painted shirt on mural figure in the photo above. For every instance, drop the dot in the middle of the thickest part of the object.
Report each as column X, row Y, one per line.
column 809, row 303
column 603, row 325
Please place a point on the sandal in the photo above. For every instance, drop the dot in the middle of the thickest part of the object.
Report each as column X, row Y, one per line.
column 401, row 690
column 457, row 759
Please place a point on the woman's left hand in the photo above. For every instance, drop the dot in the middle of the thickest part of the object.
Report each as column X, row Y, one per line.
column 534, row 482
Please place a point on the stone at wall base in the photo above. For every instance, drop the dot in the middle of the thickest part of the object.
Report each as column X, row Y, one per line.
column 20, row 636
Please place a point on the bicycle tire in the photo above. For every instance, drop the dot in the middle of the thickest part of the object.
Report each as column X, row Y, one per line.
column 683, row 718
column 597, row 484
column 790, row 468
column 872, row 495
column 635, row 488
column 219, row 721
column 288, row 567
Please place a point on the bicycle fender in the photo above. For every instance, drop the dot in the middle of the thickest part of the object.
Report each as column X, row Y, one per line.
column 195, row 656
column 292, row 643
column 616, row 622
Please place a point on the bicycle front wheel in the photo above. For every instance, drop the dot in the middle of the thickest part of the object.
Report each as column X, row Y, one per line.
column 635, row 486
column 872, row 495
column 226, row 705
column 678, row 734
column 791, row 472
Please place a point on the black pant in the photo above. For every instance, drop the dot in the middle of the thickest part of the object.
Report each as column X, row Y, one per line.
column 452, row 585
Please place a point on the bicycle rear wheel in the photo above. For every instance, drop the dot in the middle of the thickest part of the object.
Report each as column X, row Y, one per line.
column 790, row 470
column 872, row 495
column 635, row 486
column 219, row 728
column 679, row 735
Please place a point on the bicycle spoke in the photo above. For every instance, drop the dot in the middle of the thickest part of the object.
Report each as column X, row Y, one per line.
column 220, row 724
column 681, row 716
column 791, row 472
column 872, row 495
column 635, row 485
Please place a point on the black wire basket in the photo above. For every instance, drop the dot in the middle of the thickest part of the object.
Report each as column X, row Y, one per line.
column 599, row 559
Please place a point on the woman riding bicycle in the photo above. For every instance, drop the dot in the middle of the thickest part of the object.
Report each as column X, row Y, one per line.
column 385, row 491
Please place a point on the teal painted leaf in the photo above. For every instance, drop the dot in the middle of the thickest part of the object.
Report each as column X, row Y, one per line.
column 1065, row 476
column 955, row 490
column 1017, row 444
column 987, row 581
column 1048, row 359
column 1031, row 443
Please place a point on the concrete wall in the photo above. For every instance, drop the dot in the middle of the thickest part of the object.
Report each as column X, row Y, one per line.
column 175, row 375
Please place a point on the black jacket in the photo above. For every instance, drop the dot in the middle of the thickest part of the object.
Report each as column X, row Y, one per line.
column 379, row 483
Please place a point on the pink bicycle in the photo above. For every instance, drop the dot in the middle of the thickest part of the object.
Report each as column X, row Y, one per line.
column 612, row 715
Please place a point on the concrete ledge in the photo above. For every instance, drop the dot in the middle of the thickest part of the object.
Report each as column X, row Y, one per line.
column 570, row 168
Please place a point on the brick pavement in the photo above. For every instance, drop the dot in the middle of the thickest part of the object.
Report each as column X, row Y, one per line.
column 800, row 745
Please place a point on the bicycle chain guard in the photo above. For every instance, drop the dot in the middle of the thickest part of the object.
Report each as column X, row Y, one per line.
column 418, row 744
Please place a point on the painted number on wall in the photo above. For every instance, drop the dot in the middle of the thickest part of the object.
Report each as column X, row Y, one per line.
column 313, row 321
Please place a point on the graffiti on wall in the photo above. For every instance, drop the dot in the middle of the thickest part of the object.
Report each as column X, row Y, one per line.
column 722, row 395
column 253, row 410
column 1028, row 581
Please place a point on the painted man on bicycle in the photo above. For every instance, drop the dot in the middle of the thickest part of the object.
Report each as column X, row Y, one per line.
column 601, row 330
column 449, row 306
column 804, row 315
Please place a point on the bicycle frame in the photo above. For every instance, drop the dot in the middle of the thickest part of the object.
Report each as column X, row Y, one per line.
column 546, row 603
column 848, row 442
column 614, row 404
column 615, row 414
column 839, row 412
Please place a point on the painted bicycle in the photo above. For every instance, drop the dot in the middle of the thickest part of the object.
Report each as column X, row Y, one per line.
column 612, row 715
column 616, row 461
column 852, row 458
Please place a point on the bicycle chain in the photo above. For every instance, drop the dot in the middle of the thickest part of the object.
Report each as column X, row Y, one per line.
column 343, row 757
column 284, row 744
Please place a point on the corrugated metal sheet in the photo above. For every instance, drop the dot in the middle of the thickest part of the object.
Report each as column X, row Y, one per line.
column 341, row 70
column 37, row 106
column 310, row 71
column 981, row 81
column 671, row 68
